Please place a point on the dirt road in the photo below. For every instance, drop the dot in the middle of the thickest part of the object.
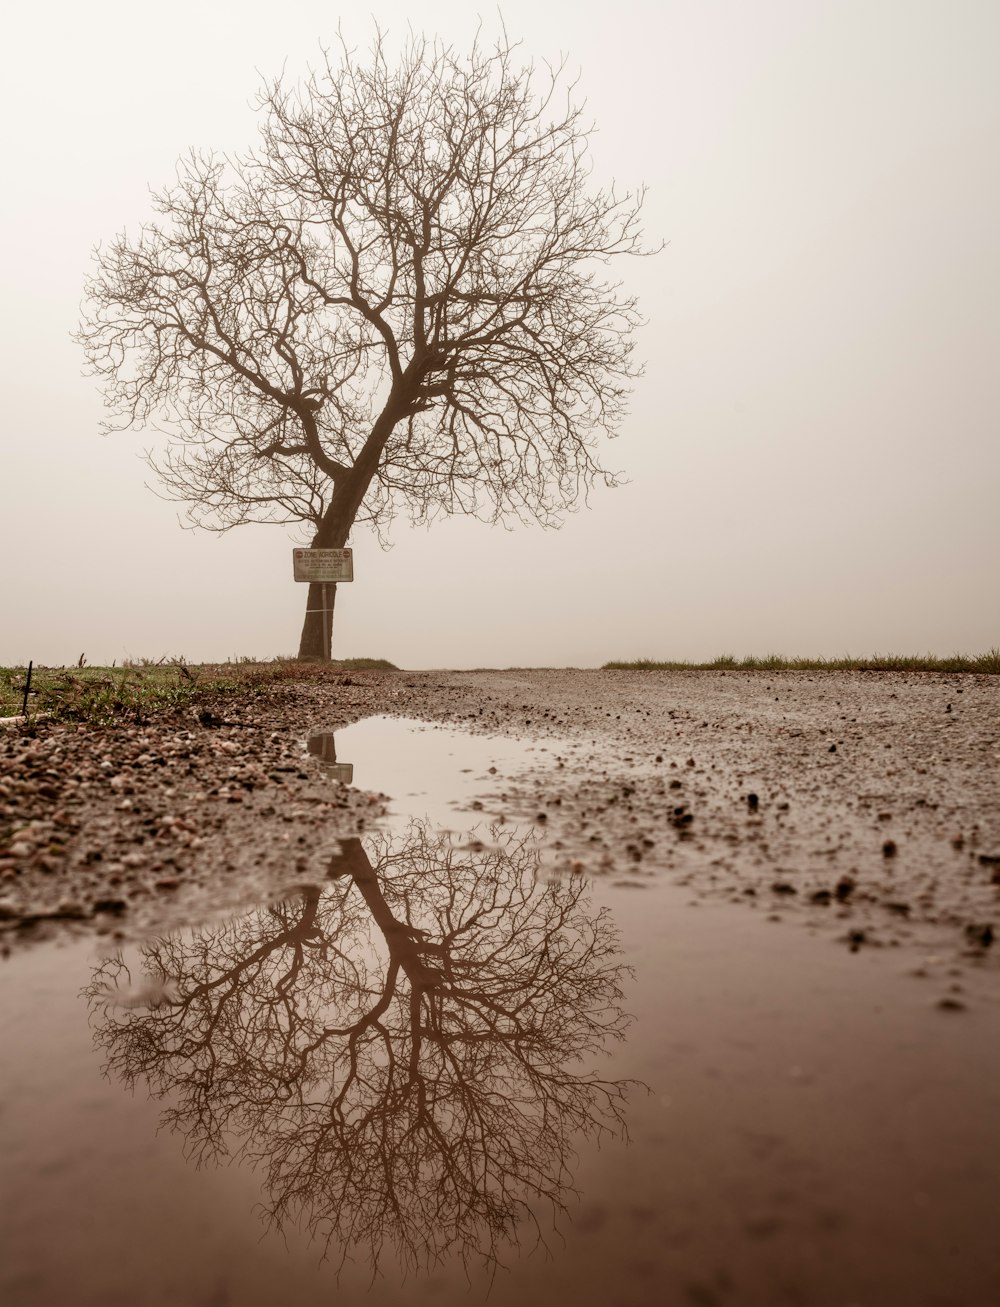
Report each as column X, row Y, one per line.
column 793, row 879
column 867, row 805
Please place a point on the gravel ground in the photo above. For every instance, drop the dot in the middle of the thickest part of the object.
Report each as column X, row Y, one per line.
column 865, row 805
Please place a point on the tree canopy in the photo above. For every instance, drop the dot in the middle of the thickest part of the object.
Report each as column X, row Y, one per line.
column 398, row 300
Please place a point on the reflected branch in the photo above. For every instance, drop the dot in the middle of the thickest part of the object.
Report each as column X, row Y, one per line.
column 408, row 1055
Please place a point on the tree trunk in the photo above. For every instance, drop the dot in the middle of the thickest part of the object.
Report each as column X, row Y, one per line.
column 317, row 635
column 335, row 526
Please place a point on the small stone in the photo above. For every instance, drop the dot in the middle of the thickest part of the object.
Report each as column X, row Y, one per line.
column 980, row 934
column 114, row 906
column 889, row 849
column 70, row 909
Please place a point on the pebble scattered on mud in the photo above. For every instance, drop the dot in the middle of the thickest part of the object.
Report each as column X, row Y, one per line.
column 888, row 836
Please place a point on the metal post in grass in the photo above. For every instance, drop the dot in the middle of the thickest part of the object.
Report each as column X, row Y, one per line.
column 27, row 690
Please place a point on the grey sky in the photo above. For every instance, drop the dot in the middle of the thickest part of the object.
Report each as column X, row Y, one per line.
column 813, row 453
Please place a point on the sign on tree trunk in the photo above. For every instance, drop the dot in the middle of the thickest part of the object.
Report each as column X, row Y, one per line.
column 323, row 564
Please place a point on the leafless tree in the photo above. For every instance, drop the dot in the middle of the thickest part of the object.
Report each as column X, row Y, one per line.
column 408, row 1055
column 399, row 299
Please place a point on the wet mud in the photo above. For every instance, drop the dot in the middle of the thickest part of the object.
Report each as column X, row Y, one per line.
column 868, row 802
column 592, row 988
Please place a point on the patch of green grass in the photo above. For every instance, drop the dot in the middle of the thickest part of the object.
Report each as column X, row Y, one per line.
column 104, row 696
column 988, row 663
column 144, row 687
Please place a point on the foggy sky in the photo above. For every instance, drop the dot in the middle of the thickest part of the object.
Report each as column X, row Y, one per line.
column 813, row 453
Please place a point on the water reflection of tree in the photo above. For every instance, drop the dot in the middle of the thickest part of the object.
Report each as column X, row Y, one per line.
column 407, row 1055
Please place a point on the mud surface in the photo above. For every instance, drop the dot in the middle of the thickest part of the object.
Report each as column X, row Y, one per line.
column 864, row 805
column 626, row 989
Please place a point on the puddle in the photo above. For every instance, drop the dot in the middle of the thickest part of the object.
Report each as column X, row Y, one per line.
column 430, row 772
column 406, row 1068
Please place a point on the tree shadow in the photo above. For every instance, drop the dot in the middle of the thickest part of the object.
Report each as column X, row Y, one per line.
column 407, row 1055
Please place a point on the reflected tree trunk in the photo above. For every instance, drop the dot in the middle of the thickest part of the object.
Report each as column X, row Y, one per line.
column 407, row 944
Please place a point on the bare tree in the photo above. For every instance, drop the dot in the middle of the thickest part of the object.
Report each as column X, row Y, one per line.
column 399, row 299
column 407, row 1055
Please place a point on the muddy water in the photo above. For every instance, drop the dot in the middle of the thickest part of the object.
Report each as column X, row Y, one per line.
column 437, row 1063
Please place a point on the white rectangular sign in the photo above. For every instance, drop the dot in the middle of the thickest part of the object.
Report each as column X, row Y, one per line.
column 323, row 564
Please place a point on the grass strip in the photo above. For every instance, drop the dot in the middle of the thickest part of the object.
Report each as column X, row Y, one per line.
column 988, row 664
column 142, row 688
